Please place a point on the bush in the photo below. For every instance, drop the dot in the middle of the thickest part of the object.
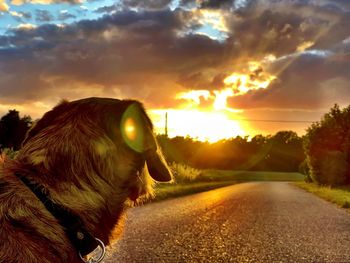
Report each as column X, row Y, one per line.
column 326, row 145
column 184, row 173
column 305, row 170
column 334, row 167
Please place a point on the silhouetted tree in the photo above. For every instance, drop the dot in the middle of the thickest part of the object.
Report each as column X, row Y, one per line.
column 327, row 146
column 282, row 152
column 13, row 129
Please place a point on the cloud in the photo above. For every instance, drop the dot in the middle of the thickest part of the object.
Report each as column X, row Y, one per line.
column 26, row 27
column 20, row 16
column 107, row 9
column 64, row 15
column 148, row 4
column 43, row 16
column 138, row 53
column 311, row 81
column 152, row 53
column 230, row 5
column 45, row 2
column 3, row 6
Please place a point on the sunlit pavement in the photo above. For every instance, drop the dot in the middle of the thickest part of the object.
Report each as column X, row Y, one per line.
column 250, row 222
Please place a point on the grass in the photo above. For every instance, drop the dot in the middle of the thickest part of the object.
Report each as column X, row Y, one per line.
column 189, row 180
column 339, row 196
column 244, row 176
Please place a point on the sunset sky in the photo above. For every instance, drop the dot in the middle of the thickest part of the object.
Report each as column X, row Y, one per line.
column 219, row 68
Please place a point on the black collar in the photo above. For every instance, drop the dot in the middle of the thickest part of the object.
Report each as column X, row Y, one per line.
column 80, row 238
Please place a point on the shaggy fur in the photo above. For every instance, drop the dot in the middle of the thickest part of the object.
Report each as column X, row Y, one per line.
column 77, row 153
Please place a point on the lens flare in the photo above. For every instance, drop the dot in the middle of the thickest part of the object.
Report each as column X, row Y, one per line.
column 132, row 128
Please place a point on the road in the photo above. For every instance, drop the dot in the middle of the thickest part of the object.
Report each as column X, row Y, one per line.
column 249, row 222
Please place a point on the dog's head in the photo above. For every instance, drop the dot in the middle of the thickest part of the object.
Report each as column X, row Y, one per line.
column 96, row 142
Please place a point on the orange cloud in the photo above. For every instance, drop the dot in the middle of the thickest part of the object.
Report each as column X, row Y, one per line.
column 3, row 6
column 251, row 78
column 45, row 2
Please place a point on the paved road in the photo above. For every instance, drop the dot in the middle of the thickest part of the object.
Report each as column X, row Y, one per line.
column 250, row 222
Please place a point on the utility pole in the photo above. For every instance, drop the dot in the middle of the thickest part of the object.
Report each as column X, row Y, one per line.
column 166, row 124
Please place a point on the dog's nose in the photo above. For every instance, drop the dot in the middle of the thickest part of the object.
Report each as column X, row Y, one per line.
column 157, row 166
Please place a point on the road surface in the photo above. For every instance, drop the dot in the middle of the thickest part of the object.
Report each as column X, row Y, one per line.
column 249, row 222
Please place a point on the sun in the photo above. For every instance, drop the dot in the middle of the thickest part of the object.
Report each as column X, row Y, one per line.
column 208, row 126
column 216, row 121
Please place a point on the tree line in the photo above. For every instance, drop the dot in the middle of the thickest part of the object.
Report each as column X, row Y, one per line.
column 280, row 152
column 13, row 129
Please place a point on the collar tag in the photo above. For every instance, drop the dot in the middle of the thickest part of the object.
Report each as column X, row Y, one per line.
column 99, row 253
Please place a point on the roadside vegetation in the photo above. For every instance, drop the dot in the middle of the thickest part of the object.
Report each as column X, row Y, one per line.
column 327, row 164
column 188, row 180
column 327, row 149
column 337, row 195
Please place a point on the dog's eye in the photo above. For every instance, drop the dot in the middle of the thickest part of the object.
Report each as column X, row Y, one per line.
column 132, row 129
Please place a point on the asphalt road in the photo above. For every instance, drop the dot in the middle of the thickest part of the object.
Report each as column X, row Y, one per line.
column 250, row 222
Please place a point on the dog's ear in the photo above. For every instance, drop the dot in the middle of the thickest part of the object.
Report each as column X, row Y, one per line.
column 45, row 121
column 136, row 130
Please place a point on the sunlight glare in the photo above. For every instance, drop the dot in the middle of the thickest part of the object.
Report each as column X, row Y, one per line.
column 201, row 125
column 221, row 96
column 211, row 123
column 194, row 95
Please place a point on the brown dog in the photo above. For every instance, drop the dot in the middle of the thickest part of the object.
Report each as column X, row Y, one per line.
column 65, row 192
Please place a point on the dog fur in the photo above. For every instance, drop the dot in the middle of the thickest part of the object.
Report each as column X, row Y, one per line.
column 78, row 154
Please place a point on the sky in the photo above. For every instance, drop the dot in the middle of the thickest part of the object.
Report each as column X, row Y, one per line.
column 218, row 68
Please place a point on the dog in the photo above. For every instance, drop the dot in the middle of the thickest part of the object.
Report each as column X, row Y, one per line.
column 79, row 166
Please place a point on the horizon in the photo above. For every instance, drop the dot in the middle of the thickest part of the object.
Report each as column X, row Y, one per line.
column 159, row 122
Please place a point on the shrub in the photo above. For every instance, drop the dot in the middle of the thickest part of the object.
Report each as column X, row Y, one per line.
column 184, row 173
column 326, row 145
column 334, row 167
column 305, row 170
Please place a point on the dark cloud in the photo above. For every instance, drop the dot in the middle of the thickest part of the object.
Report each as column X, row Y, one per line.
column 202, row 81
column 21, row 16
column 217, row 3
column 65, row 15
column 151, row 54
column 140, row 53
column 20, row 2
column 43, row 16
column 310, row 81
column 280, row 30
column 341, row 3
column 26, row 15
column 107, row 9
column 148, row 4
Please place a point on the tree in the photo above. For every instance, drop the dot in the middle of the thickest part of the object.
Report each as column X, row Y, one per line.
column 282, row 152
column 327, row 147
column 13, row 129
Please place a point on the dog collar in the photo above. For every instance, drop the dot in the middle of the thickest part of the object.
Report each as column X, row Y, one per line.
column 73, row 226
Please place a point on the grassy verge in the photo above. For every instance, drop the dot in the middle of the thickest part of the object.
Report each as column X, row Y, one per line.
column 175, row 190
column 245, row 176
column 190, row 181
column 339, row 196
